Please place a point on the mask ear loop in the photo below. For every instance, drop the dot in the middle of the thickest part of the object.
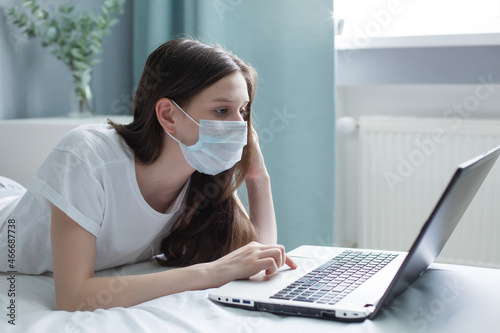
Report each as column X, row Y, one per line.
column 170, row 135
column 184, row 112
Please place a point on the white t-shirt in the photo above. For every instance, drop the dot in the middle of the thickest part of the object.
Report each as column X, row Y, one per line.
column 90, row 175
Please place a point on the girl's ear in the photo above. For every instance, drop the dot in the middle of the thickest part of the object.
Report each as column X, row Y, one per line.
column 165, row 114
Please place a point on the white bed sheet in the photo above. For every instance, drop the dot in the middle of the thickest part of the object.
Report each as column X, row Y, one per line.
column 446, row 298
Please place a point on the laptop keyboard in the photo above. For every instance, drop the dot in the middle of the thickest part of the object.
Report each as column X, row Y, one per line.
column 336, row 278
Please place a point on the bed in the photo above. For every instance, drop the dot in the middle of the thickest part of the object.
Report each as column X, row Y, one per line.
column 447, row 298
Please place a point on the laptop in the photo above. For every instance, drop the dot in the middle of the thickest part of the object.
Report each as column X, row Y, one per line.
column 355, row 284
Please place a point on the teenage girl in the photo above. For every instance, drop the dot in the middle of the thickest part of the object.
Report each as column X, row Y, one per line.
column 114, row 194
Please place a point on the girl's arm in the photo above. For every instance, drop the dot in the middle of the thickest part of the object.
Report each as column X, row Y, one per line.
column 261, row 208
column 260, row 201
column 260, row 198
column 74, row 251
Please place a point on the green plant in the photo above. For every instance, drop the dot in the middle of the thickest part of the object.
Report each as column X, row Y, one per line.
column 75, row 36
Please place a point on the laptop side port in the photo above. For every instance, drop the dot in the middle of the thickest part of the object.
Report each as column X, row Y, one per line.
column 348, row 314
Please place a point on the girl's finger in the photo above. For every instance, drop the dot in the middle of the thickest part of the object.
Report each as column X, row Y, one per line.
column 272, row 267
column 274, row 253
column 290, row 262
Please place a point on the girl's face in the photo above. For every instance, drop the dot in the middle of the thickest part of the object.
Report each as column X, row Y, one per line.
column 226, row 99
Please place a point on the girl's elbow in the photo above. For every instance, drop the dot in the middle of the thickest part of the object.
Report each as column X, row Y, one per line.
column 71, row 303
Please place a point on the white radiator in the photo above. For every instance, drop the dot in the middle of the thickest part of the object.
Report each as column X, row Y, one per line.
column 405, row 164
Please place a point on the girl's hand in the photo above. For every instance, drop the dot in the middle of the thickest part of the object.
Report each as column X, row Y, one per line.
column 250, row 260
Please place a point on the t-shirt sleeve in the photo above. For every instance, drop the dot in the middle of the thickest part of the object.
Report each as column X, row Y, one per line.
column 67, row 180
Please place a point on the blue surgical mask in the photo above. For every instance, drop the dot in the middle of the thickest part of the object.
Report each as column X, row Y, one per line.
column 219, row 147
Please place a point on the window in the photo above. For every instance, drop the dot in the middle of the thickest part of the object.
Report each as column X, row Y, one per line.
column 371, row 19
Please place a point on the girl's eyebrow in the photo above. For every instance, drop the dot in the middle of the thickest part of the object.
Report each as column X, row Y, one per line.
column 222, row 99
column 225, row 100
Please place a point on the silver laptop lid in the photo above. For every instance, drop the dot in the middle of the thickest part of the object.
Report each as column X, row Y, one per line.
column 444, row 218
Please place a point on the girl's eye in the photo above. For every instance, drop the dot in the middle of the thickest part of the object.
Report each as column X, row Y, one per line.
column 221, row 111
column 244, row 112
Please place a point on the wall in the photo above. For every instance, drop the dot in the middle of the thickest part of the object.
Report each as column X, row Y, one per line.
column 35, row 84
column 423, row 82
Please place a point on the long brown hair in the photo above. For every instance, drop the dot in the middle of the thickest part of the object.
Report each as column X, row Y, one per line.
column 211, row 223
